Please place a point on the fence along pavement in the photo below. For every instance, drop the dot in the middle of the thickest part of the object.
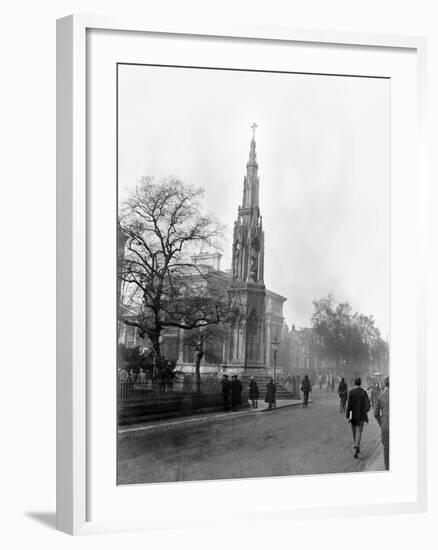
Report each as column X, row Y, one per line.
column 141, row 391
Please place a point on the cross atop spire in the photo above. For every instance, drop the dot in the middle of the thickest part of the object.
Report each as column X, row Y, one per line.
column 252, row 152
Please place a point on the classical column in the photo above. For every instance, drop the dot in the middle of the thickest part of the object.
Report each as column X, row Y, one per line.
column 268, row 344
column 181, row 346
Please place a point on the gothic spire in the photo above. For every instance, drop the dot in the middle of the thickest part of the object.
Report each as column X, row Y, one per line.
column 252, row 161
column 251, row 181
column 248, row 240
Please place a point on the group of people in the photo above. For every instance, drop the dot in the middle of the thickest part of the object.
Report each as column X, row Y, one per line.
column 139, row 378
column 357, row 409
column 232, row 392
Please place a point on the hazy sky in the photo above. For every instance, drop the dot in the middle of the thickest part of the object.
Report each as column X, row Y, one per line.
column 323, row 148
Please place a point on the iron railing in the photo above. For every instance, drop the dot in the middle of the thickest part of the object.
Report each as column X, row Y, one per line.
column 147, row 390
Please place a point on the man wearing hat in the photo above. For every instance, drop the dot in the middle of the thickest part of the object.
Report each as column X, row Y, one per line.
column 253, row 392
column 225, row 383
column 236, row 392
column 357, row 409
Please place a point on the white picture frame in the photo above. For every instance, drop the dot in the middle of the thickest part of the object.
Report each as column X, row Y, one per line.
column 73, row 222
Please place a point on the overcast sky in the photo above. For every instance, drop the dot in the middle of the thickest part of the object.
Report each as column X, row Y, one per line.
column 323, row 148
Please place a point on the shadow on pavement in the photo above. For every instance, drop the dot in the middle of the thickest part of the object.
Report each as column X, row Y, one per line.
column 46, row 518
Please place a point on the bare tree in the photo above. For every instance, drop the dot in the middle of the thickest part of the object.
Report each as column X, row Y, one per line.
column 207, row 342
column 164, row 226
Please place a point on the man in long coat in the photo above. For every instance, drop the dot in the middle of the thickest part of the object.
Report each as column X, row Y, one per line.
column 236, row 392
column 381, row 412
column 357, row 409
column 253, row 392
column 271, row 390
column 306, row 388
column 225, row 383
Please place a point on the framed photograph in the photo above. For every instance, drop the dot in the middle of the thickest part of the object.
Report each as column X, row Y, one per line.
column 240, row 275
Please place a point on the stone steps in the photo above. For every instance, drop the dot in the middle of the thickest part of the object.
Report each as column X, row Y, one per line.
column 262, row 381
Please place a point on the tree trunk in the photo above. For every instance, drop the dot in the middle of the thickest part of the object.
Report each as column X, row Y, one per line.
column 155, row 341
column 199, row 355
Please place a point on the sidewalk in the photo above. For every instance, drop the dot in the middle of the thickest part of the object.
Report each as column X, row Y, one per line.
column 281, row 403
column 376, row 462
column 137, row 429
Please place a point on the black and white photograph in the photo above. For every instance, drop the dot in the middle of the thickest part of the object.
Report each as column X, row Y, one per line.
column 220, row 260
column 253, row 274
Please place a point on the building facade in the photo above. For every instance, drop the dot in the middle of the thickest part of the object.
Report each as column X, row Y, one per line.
column 299, row 353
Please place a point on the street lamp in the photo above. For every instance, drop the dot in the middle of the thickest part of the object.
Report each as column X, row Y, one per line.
column 275, row 345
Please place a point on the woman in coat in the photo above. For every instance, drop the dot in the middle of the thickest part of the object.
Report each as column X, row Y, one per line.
column 253, row 392
column 270, row 393
column 306, row 388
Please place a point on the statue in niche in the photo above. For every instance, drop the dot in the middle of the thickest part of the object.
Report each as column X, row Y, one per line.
column 254, row 263
column 236, row 259
column 254, row 253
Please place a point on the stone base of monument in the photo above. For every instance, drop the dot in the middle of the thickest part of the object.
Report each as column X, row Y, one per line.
column 262, row 377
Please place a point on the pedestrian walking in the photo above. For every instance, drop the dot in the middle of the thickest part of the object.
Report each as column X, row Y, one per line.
column 306, row 388
column 332, row 383
column 253, row 392
column 320, row 381
column 270, row 393
column 226, row 389
column 381, row 413
column 357, row 409
column 343, row 394
column 374, row 393
column 236, row 392
column 239, row 391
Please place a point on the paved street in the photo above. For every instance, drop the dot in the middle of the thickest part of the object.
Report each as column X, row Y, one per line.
column 286, row 441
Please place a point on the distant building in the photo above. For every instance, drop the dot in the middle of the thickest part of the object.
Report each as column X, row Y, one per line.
column 299, row 352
